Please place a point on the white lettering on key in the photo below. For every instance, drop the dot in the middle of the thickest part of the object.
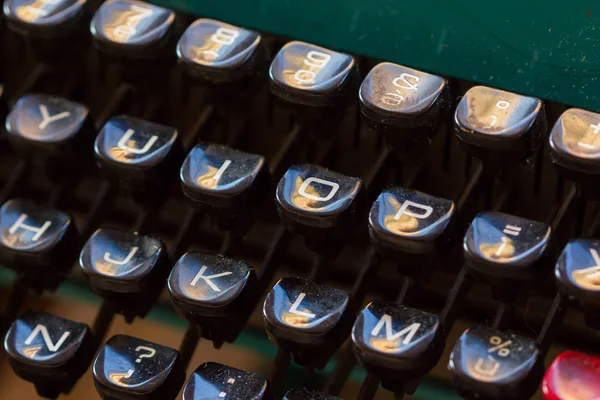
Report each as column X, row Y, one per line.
column 404, row 210
column 127, row 136
column 38, row 232
column 589, row 277
column 302, row 189
column 132, row 252
column 386, row 321
column 294, row 307
column 48, row 119
column 315, row 60
column 487, row 367
column 512, row 230
column 128, row 29
column 207, row 278
column 221, row 170
column 53, row 347
column 595, row 131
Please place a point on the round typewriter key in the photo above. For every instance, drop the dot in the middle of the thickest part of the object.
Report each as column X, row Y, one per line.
column 572, row 376
column 499, row 127
column 402, row 103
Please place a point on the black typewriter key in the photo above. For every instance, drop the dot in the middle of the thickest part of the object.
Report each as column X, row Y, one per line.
column 498, row 126
column 319, row 204
column 307, row 319
column 45, row 19
column 132, row 30
column 505, row 250
column 575, row 148
column 130, row 368
column 228, row 181
column 49, row 351
column 397, row 343
column 35, row 241
column 213, row 381
column 494, row 365
column 577, row 275
column 402, row 103
column 50, row 131
column 405, row 221
column 225, row 56
column 315, row 82
column 141, row 155
column 214, row 292
column 125, row 268
column 306, row 394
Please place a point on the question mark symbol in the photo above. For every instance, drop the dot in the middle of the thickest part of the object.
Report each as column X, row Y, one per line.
column 150, row 354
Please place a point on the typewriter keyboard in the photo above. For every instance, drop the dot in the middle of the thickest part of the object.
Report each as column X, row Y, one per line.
column 393, row 233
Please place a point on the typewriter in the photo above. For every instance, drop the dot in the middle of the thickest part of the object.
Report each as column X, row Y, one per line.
column 296, row 200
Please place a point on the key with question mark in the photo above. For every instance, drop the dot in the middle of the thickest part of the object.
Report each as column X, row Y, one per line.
column 150, row 354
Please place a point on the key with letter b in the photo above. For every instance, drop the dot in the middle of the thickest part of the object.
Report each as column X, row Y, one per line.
column 128, row 368
column 49, row 351
column 488, row 364
column 397, row 343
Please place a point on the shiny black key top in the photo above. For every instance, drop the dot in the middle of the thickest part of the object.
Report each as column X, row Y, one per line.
column 141, row 155
column 403, row 103
column 498, row 126
column 128, row 368
column 132, row 29
column 221, row 54
column 575, row 148
column 50, row 131
column 577, row 275
column 125, row 268
column 505, row 250
column 36, row 241
column 489, row 364
column 45, row 19
column 320, row 204
column 405, row 221
column 213, row 381
column 306, row 394
column 228, row 181
column 501, row 248
column 397, row 343
column 214, row 292
column 49, row 351
column 309, row 320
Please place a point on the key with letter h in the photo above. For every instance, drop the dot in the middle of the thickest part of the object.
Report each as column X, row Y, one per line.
column 307, row 319
column 141, row 155
column 37, row 242
column 126, row 269
column 49, row 351
column 397, row 343
column 214, row 292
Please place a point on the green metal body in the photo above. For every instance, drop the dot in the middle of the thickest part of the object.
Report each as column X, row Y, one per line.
column 545, row 48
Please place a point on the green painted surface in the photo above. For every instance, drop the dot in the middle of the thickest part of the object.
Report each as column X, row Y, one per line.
column 546, row 48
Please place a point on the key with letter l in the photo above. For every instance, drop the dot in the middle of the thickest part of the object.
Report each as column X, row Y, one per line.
column 49, row 351
column 309, row 320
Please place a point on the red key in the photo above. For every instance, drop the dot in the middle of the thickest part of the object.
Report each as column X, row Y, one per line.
column 573, row 376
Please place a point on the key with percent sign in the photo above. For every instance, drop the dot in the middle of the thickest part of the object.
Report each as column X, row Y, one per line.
column 131, row 368
column 491, row 364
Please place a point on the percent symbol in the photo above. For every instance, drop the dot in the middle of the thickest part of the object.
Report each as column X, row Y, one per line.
column 502, row 348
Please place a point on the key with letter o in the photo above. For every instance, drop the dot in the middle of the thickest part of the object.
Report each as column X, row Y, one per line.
column 319, row 204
